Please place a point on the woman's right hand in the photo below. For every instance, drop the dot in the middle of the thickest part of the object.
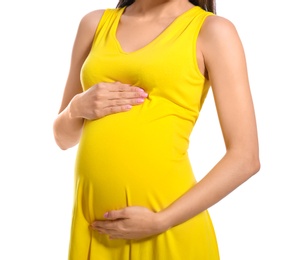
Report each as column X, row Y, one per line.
column 104, row 99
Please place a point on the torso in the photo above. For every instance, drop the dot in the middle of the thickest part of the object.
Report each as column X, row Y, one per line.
column 153, row 136
column 139, row 157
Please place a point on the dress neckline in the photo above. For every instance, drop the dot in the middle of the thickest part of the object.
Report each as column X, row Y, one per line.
column 117, row 21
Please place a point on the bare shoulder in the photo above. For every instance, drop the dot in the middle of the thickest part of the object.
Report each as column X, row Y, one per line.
column 90, row 21
column 218, row 39
column 86, row 31
column 217, row 29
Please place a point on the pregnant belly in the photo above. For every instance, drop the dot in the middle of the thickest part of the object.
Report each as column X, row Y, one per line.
column 123, row 161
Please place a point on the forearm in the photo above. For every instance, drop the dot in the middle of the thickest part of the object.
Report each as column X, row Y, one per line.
column 67, row 128
column 226, row 176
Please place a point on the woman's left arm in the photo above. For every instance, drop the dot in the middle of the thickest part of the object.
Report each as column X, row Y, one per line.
column 225, row 63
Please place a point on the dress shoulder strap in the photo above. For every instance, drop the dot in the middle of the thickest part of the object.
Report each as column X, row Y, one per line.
column 105, row 22
column 199, row 20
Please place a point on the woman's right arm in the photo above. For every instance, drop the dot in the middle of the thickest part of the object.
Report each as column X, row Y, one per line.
column 67, row 128
column 99, row 100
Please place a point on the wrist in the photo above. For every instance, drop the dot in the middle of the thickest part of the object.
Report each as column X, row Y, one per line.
column 73, row 108
column 162, row 221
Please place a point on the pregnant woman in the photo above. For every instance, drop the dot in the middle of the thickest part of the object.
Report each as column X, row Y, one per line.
column 138, row 77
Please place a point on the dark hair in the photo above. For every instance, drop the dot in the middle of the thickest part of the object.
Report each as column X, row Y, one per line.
column 207, row 5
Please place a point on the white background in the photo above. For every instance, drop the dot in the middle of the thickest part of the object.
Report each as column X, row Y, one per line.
column 36, row 183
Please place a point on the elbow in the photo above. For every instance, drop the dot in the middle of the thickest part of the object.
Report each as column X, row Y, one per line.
column 255, row 166
column 59, row 142
column 64, row 143
column 247, row 162
column 62, row 146
column 251, row 164
column 67, row 133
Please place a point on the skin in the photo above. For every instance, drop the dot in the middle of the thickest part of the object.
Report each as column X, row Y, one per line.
column 221, row 59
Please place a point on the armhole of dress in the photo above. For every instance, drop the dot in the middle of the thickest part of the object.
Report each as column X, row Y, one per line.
column 200, row 22
column 206, row 87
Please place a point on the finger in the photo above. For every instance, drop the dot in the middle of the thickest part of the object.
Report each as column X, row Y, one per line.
column 124, row 102
column 115, row 214
column 116, row 109
column 98, row 229
column 120, row 87
column 104, row 226
column 127, row 94
column 118, row 236
column 112, row 234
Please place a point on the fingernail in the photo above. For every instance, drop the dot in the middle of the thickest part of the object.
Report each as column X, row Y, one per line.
column 144, row 94
column 140, row 100
column 106, row 215
column 128, row 107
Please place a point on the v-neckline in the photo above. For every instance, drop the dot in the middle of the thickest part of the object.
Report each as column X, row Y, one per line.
column 117, row 22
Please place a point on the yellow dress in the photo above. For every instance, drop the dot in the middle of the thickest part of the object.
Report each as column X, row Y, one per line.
column 139, row 157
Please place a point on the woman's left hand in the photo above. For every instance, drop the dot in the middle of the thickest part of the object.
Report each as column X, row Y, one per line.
column 129, row 223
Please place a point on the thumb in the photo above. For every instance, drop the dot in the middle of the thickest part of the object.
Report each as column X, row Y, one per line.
column 115, row 214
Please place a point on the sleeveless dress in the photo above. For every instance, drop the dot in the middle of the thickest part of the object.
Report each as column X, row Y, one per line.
column 139, row 157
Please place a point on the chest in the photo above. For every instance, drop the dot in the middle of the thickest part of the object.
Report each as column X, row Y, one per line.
column 133, row 33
